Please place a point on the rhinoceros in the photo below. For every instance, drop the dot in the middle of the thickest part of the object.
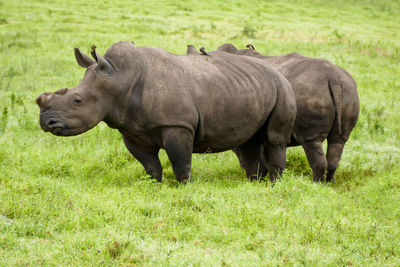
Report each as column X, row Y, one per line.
column 182, row 104
column 327, row 106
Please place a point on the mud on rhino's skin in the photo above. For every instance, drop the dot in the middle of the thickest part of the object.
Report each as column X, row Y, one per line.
column 327, row 106
column 183, row 104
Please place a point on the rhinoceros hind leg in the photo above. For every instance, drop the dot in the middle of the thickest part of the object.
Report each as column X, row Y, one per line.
column 251, row 159
column 316, row 158
column 333, row 156
column 178, row 143
column 149, row 160
column 238, row 153
column 276, row 157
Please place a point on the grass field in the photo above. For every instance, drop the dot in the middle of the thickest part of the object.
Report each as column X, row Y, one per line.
column 85, row 201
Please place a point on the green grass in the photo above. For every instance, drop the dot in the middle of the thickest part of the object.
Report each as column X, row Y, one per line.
column 85, row 201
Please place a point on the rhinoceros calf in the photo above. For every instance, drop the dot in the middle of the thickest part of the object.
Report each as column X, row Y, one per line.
column 180, row 103
column 327, row 106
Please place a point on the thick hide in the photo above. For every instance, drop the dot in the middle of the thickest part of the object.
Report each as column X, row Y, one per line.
column 327, row 106
column 183, row 104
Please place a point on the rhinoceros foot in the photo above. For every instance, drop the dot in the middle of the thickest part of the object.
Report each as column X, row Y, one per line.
column 186, row 178
column 331, row 180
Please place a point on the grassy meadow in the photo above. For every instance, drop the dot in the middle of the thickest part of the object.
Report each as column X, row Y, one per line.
column 85, row 200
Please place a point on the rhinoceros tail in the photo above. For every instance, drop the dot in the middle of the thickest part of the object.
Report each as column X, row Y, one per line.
column 336, row 91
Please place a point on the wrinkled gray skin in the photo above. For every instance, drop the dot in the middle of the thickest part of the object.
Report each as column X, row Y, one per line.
column 327, row 106
column 180, row 103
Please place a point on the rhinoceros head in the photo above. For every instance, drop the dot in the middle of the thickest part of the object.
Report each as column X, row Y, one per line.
column 73, row 111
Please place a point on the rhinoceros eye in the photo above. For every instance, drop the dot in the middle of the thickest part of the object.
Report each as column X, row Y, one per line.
column 77, row 99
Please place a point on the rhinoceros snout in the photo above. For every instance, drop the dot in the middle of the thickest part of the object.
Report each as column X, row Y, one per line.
column 52, row 125
column 43, row 99
column 56, row 127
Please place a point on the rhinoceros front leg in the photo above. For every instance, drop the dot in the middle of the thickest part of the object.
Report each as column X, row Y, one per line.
column 149, row 160
column 178, row 143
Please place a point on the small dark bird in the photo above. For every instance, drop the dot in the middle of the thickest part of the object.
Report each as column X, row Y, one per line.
column 203, row 51
column 93, row 52
column 251, row 47
column 191, row 50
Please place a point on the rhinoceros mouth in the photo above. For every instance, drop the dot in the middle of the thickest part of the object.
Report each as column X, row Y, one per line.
column 58, row 130
column 53, row 124
column 55, row 128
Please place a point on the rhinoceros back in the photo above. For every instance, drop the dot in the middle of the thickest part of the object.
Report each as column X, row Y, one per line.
column 223, row 99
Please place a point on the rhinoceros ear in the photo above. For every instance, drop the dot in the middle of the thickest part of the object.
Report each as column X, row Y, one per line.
column 191, row 50
column 230, row 48
column 82, row 59
column 103, row 64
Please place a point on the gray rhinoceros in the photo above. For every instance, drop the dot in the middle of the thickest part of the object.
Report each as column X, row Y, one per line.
column 180, row 103
column 327, row 106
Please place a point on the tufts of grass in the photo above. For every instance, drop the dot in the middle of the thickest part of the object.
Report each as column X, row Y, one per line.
column 85, row 200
